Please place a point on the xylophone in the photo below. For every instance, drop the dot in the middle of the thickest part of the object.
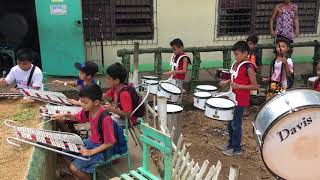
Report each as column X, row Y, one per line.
column 50, row 109
column 6, row 94
column 64, row 143
column 46, row 96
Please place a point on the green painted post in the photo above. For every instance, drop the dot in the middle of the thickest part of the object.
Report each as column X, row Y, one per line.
column 195, row 70
column 316, row 57
column 227, row 58
column 126, row 63
column 157, row 63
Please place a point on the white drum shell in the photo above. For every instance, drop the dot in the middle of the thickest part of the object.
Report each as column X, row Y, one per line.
column 153, row 87
column 200, row 102
column 172, row 97
column 213, row 90
column 218, row 113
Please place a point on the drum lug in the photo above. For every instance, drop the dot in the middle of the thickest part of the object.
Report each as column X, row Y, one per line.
column 197, row 100
column 216, row 112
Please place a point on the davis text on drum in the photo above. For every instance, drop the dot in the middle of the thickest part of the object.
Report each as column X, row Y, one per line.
column 287, row 132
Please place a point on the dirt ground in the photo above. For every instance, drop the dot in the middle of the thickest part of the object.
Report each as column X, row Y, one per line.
column 14, row 160
column 206, row 134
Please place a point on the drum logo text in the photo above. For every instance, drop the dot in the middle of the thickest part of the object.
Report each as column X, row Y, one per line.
column 285, row 133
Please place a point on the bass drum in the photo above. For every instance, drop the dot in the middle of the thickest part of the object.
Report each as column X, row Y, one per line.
column 287, row 130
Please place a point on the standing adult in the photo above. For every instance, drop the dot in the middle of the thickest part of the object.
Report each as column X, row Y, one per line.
column 287, row 20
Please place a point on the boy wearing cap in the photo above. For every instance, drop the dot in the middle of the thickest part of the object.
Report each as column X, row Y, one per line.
column 87, row 71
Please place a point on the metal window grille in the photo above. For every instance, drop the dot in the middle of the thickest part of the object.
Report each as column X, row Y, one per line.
column 237, row 18
column 118, row 19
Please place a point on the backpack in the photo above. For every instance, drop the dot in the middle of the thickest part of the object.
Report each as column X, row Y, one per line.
column 136, row 100
column 120, row 147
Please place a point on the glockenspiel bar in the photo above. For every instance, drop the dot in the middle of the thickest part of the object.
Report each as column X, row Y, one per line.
column 41, row 139
column 73, row 147
column 53, row 109
column 53, row 142
column 55, row 97
column 10, row 94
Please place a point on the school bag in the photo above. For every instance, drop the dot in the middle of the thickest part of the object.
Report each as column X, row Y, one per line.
column 120, row 147
column 136, row 100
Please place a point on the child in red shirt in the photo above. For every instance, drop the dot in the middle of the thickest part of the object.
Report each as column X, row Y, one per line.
column 116, row 76
column 241, row 85
column 179, row 63
column 316, row 83
column 96, row 147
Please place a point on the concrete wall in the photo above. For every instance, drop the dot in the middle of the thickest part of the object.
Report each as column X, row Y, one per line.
column 194, row 22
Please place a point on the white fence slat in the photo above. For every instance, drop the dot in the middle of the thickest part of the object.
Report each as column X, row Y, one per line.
column 180, row 159
column 194, row 172
column 234, row 172
column 202, row 170
column 184, row 164
column 179, row 144
column 186, row 173
column 217, row 172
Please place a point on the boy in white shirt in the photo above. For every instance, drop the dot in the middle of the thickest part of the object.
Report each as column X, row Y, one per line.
column 25, row 75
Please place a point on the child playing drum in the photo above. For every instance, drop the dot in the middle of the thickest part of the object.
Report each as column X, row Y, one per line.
column 281, row 69
column 179, row 63
column 241, row 86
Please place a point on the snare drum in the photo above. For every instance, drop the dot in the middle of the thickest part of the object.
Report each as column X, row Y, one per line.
column 220, row 109
column 311, row 81
column 200, row 98
column 223, row 74
column 287, row 130
column 170, row 91
column 153, row 86
column 207, row 88
column 144, row 78
column 174, row 119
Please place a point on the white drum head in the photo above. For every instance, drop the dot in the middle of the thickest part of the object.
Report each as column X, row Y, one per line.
column 150, row 77
column 220, row 103
column 202, row 94
column 291, row 148
column 170, row 88
column 152, row 82
column 171, row 108
column 206, row 88
column 312, row 79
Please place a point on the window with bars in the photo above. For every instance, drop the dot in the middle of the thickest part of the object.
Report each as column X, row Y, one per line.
column 118, row 19
column 241, row 17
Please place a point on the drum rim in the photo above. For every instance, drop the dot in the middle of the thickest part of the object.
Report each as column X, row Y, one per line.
column 268, row 129
column 170, row 91
column 150, row 77
column 267, row 101
column 153, row 83
column 171, row 112
column 209, row 95
column 220, row 108
column 206, row 90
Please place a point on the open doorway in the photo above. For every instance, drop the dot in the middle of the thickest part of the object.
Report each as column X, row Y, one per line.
column 18, row 29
